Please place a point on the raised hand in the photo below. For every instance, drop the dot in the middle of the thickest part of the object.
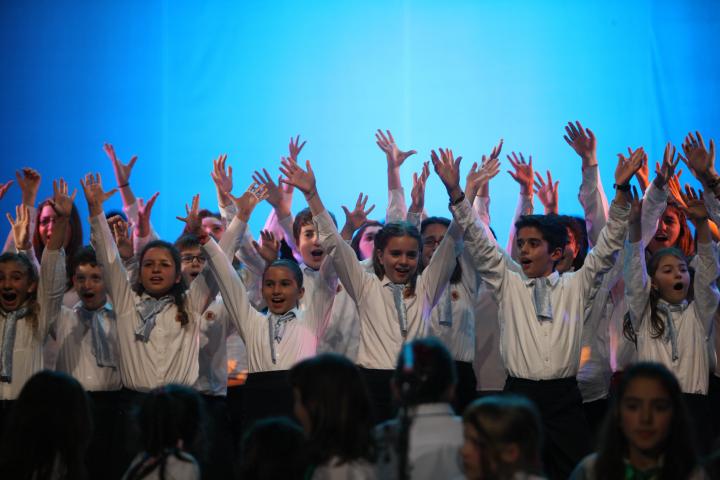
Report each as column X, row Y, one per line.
column 29, row 183
column 643, row 173
column 144, row 212
column 223, row 179
column 674, row 189
column 303, row 180
column 247, row 202
column 635, row 230
column 95, row 194
column 667, row 169
column 295, row 148
column 21, row 227
column 478, row 178
column 547, row 192
column 119, row 229
column 122, row 170
column 523, row 173
column 193, row 224
column 448, row 169
column 4, row 188
column 693, row 205
column 699, row 159
column 279, row 194
column 395, row 156
column 269, row 246
column 417, row 194
column 583, row 141
column 61, row 202
column 358, row 216
column 627, row 167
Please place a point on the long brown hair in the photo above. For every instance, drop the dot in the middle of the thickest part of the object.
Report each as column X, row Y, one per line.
column 382, row 237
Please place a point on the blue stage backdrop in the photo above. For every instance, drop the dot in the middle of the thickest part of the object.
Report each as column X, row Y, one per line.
column 179, row 82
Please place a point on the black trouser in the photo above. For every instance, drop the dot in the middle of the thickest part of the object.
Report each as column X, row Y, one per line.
column 218, row 456
column 378, row 385
column 566, row 435
column 6, row 407
column 235, row 406
column 698, row 407
column 595, row 414
column 714, row 401
column 267, row 394
column 465, row 390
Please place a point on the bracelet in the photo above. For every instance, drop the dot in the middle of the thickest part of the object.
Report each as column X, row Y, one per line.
column 459, row 200
column 625, row 187
column 313, row 193
column 126, row 184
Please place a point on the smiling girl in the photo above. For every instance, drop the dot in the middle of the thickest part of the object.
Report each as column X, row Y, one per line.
column 26, row 300
column 394, row 302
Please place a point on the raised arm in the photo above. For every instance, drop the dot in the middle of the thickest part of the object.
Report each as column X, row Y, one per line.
column 416, row 213
column 122, row 176
column 397, row 209
column 28, row 180
column 655, row 200
column 356, row 218
column 547, row 192
column 637, row 286
column 705, row 289
column 592, row 196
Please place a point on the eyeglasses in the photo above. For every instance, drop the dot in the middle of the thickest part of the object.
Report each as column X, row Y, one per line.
column 192, row 258
column 431, row 241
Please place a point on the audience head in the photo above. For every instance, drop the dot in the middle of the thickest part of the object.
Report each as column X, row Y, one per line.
column 541, row 241
column 192, row 258
column 282, row 286
column 397, row 252
column 307, row 239
column 48, row 430
column 272, row 449
column 87, row 278
column 363, row 242
column 425, row 372
column 646, row 419
column 333, row 407
column 502, row 438
column 673, row 231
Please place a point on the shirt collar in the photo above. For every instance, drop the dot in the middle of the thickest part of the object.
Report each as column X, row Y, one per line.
column 553, row 278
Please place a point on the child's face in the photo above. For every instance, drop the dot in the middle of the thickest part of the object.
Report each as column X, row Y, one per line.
column 646, row 413
column 367, row 241
column 535, row 258
column 90, row 286
column 192, row 263
column 432, row 236
column 157, row 271
column 46, row 224
column 400, row 258
column 668, row 231
column 280, row 290
column 570, row 251
column 213, row 227
column 672, row 279
column 309, row 246
column 15, row 285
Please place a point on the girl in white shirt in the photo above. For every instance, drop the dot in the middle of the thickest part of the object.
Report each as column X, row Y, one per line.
column 157, row 318
column 671, row 322
column 394, row 302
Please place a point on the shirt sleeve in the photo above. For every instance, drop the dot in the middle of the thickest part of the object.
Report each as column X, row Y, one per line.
column 351, row 274
column 487, row 259
column 397, row 208
column 603, row 256
column 654, row 204
column 594, row 202
column 705, row 287
column 437, row 274
column 481, row 205
column 51, row 288
column 637, row 286
column 232, row 290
